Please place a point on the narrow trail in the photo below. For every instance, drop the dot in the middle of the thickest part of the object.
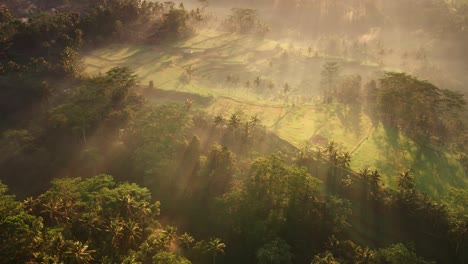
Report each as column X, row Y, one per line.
column 279, row 119
column 362, row 140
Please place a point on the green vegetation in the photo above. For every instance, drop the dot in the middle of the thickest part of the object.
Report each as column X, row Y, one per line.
column 231, row 136
column 343, row 120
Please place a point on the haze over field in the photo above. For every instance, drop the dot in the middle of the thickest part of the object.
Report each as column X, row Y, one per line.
column 266, row 131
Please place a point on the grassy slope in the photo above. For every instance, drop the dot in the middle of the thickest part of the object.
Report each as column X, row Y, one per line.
column 216, row 55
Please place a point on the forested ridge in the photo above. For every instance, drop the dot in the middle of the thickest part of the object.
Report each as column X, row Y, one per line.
column 94, row 169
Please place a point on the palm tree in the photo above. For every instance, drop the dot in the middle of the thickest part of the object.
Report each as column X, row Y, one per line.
column 345, row 160
column 216, row 246
column 364, row 256
column 188, row 104
column 257, row 81
column 54, row 210
column 329, row 77
column 79, row 252
column 374, row 179
column 128, row 204
column 46, row 93
column 186, row 239
column 365, row 175
column 218, row 120
column 405, row 181
column 286, row 88
column 254, row 120
column 330, row 147
column 29, row 203
column 247, row 129
column 116, row 229
column 133, row 232
column 234, row 121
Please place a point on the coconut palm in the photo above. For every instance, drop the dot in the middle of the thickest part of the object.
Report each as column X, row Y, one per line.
column 345, row 160
column 374, row 180
column 234, row 121
column 215, row 246
column 53, row 209
column 405, row 181
column 364, row 175
column 79, row 252
column 218, row 120
column 116, row 230
column 254, row 120
column 132, row 232
column 186, row 239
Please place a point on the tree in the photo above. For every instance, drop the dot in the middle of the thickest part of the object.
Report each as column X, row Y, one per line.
column 399, row 254
column 234, row 121
column 418, row 108
column 375, row 182
column 218, row 120
column 324, row 258
column 186, row 240
column 405, row 181
column 274, row 252
column 329, row 74
column 242, row 20
column 169, row 258
column 345, row 160
column 215, row 246
column 175, row 23
column 78, row 253
column 19, row 231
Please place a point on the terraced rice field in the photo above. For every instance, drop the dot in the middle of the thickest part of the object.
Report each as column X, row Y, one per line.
column 216, row 55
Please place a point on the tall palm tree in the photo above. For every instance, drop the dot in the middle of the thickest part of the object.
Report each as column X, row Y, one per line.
column 186, row 239
column 257, row 82
column 254, row 120
column 215, row 246
column 169, row 234
column 330, row 147
column 234, row 121
column 364, row 175
column 405, row 181
column 128, row 205
column 345, row 160
column 374, row 180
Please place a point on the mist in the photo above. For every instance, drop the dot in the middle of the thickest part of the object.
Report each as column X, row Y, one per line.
column 216, row 131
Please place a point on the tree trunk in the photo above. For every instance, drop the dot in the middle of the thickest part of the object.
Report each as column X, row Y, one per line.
column 83, row 132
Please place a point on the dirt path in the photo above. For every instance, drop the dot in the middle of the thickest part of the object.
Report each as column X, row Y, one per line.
column 362, row 140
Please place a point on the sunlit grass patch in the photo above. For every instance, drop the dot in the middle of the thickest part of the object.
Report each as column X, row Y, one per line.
column 215, row 55
column 391, row 152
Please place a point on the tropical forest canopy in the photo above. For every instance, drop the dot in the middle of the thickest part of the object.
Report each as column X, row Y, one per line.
column 233, row 132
